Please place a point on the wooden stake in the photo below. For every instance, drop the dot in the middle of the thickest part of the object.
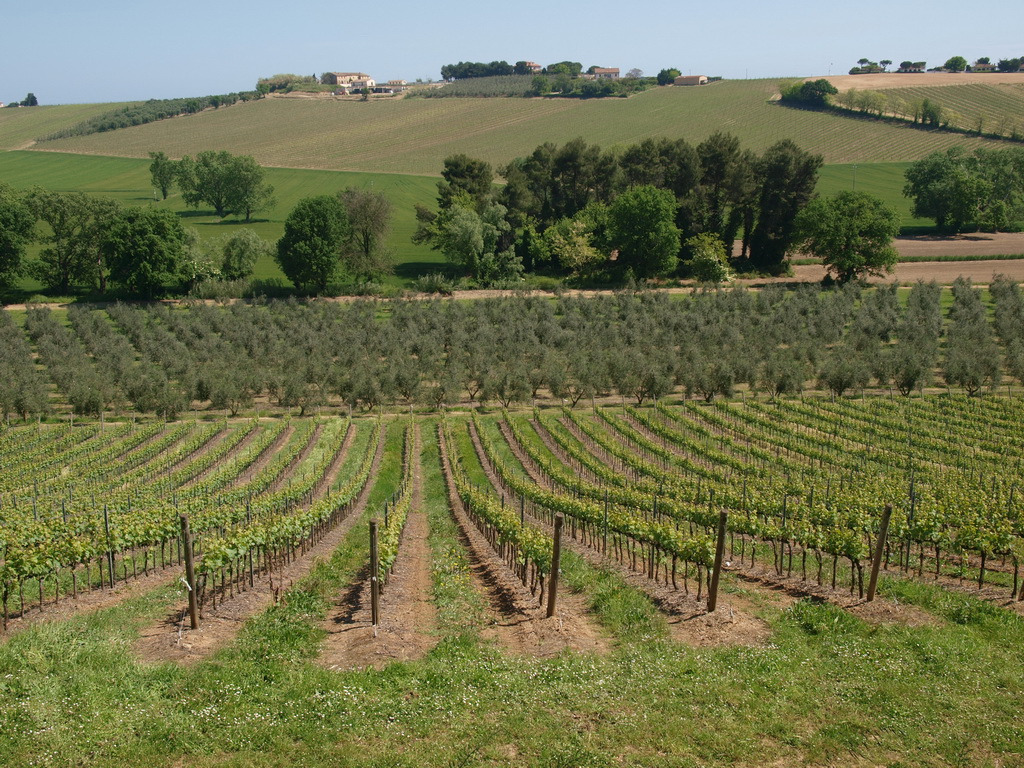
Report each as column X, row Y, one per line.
column 374, row 583
column 190, row 573
column 719, row 555
column 876, row 561
column 556, row 556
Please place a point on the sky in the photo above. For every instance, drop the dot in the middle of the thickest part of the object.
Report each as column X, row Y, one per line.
column 71, row 52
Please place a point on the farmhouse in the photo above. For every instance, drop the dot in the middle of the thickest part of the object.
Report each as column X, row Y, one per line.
column 534, row 67
column 984, row 68
column 606, row 73
column 691, row 80
column 342, row 78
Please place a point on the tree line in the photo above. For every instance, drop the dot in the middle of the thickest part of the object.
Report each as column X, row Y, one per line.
column 633, row 345
column 581, row 210
column 149, row 112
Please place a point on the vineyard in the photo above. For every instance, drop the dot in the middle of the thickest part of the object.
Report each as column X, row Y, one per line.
column 430, row 563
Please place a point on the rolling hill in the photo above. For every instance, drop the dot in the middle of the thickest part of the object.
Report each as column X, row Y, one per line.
column 413, row 136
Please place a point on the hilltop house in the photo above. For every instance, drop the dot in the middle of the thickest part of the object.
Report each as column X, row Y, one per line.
column 606, row 73
column 534, row 67
column 983, row 68
column 342, row 78
column 691, row 80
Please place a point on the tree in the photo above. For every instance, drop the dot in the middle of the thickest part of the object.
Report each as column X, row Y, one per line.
column 955, row 64
column 570, row 68
column 315, row 232
column 240, row 253
column 851, row 232
column 248, row 190
column 668, row 76
column 963, row 192
column 17, row 230
column 163, row 171
column 462, row 173
column 813, row 93
column 229, row 183
column 635, row 73
column 787, row 176
column 30, row 101
column 72, row 253
column 641, row 226
column 144, row 248
column 369, row 216
column 708, row 262
column 885, row 63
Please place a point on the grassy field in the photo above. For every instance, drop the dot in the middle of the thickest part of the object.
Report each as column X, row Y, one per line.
column 415, row 135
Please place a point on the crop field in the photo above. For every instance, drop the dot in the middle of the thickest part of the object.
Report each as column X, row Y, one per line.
column 415, row 135
column 99, row 664
column 996, row 108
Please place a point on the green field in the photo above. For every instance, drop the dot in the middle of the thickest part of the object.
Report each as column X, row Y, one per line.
column 415, row 135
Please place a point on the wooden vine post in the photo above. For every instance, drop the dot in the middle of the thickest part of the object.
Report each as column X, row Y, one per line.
column 374, row 582
column 876, row 561
column 719, row 556
column 556, row 555
column 190, row 573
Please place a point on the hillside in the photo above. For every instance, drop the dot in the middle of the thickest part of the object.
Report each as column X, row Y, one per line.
column 415, row 135
column 20, row 127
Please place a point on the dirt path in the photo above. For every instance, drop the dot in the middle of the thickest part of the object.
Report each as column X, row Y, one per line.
column 407, row 628
column 519, row 624
column 166, row 640
column 908, row 273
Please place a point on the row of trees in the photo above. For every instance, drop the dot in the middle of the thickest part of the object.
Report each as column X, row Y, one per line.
column 579, row 209
column 469, row 69
column 230, row 184
column 148, row 112
column 634, row 345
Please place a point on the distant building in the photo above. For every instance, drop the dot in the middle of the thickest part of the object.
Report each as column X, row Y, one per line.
column 397, row 86
column 984, row 68
column 691, row 80
column 606, row 73
column 365, row 82
column 534, row 67
column 341, row 78
column 910, row 69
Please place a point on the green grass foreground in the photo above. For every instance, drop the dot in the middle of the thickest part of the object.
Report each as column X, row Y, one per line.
column 824, row 689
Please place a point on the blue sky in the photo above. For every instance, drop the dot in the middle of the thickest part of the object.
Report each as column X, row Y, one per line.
column 74, row 52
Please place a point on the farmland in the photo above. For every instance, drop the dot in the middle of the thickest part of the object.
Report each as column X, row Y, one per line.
column 792, row 667
column 415, row 135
